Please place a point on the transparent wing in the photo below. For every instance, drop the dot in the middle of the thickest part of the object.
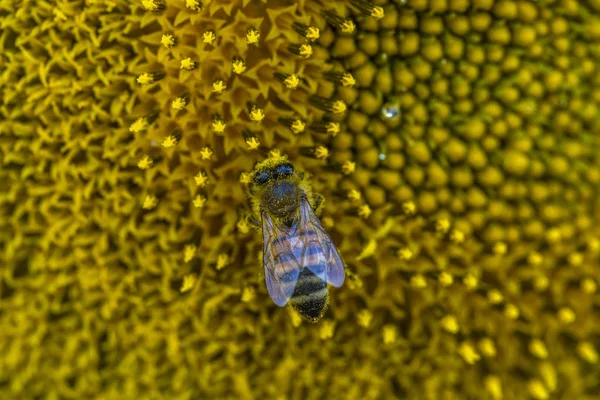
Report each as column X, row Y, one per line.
column 281, row 264
column 319, row 253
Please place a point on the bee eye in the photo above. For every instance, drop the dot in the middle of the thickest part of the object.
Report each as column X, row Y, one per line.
column 284, row 170
column 261, row 178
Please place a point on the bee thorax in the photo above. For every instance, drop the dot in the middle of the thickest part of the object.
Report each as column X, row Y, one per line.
column 281, row 199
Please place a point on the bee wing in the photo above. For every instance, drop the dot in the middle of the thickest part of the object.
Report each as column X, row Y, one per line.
column 281, row 265
column 329, row 266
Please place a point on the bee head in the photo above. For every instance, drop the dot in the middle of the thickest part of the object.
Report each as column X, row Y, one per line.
column 272, row 173
column 280, row 193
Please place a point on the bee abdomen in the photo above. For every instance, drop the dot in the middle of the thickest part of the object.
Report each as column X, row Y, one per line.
column 310, row 296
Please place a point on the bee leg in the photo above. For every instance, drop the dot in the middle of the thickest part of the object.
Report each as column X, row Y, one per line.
column 252, row 220
column 317, row 203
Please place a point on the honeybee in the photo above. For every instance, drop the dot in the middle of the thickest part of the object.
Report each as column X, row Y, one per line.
column 299, row 256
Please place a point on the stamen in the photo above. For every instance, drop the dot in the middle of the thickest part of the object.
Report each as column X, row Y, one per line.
column 345, row 25
column 335, row 107
column 311, row 33
column 328, row 127
column 368, row 8
column 303, row 50
column 296, row 125
column 238, row 65
column 252, row 36
column 291, row 81
column 341, row 78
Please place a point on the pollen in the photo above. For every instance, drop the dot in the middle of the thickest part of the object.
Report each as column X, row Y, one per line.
column 275, row 155
column 140, row 124
column 587, row 352
column 405, row 254
column 348, row 167
column 335, row 107
column 446, row 279
column 169, row 142
column 145, row 162
column 390, row 334
column 566, row 315
column 322, row 152
column 487, row 347
column 252, row 36
column 495, row 296
column 292, row 81
column 304, row 50
column 145, row 79
column 187, row 64
column 199, row 201
column 218, row 126
column 364, row 318
column 188, row 283
column 365, row 211
column 209, row 37
column 333, row 128
column 442, row 226
column 538, row 349
column 593, row 245
column 298, row 126
column 589, row 286
column 500, row 248
column 470, row 281
column 377, row 12
column 348, row 26
column 535, row 259
column 493, row 385
column 339, row 107
column 457, row 236
column 311, row 33
column 354, row 196
column 245, row 178
column 327, row 329
column 575, row 259
column 151, row 5
column 238, row 66
column 252, row 143
column 343, row 24
column 222, row 261
column 537, row 390
column 512, row 311
column 295, row 317
column 243, row 227
column 149, row 202
column 206, row 153
column 409, row 208
column 167, row 40
column 189, row 252
column 248, row 294
column 344, row 78
column 178, row 104
column 201, row 179
column 418, row 281
column 218, row 86
column 257, row 114
column 193, row 5
column 468, row 353
column 450, row 324
column 553, row 235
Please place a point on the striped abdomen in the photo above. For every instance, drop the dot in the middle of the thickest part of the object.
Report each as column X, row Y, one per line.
column 310, row 295
column 309, row 298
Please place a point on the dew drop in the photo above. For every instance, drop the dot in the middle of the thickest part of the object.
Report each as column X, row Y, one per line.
column 390, row 111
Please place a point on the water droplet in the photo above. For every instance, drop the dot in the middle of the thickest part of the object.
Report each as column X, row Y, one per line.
column 390, row 111
column 382, row 156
